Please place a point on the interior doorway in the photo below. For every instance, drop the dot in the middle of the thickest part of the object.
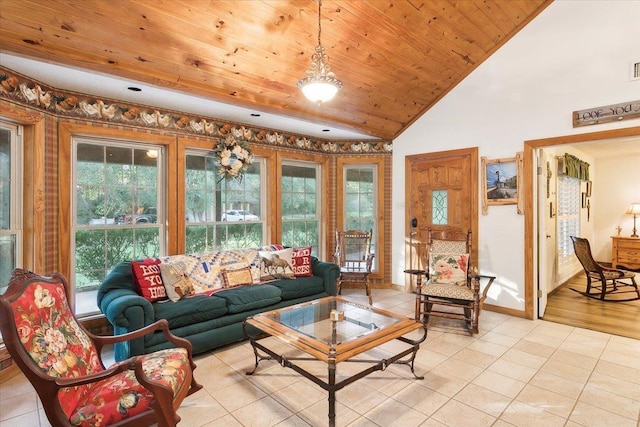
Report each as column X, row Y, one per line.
column 536, row 254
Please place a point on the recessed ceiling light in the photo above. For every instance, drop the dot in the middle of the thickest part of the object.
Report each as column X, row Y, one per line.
column 134, row 89
column 255, row 114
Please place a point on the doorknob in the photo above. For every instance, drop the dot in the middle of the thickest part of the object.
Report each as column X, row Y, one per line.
column 548, row 236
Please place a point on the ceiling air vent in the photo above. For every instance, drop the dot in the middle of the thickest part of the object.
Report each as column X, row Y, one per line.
column 635, row 70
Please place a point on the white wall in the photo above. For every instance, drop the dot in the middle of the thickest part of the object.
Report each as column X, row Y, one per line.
column 618, row 185
column 574, row 55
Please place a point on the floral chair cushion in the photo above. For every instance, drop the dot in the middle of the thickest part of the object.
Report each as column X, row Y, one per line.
column 448, row 268
column 122, row 396
column 54, row 340
column 448, row 291
column 448, row 276
column 60, row 347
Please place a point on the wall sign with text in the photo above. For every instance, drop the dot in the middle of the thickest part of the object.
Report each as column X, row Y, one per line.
column 606, row 114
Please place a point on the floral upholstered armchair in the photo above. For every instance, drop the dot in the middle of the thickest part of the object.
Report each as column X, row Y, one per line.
column 62, row 361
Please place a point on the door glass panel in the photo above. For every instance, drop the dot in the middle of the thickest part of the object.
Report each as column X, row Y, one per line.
column 439, row 201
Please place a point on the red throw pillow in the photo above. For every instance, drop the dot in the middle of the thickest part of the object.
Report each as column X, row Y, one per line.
column 301, row 259
column 146, row 275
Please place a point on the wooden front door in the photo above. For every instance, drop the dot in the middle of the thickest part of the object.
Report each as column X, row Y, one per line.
column 442, row 193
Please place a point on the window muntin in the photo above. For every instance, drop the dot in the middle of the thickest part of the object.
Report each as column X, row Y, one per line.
column 117, row 208
column 10, row 201
column 301, row 201
column 360, row 199
column 222, row 214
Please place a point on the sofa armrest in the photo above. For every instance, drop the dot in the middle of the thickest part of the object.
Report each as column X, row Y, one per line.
column 329, row 273
column 126, row 309
column 120, row 302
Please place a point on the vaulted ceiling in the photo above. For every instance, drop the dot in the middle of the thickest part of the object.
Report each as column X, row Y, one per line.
column 396, row 58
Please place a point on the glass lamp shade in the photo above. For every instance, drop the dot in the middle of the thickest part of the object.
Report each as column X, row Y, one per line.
column 634, row 209
column 318, row 89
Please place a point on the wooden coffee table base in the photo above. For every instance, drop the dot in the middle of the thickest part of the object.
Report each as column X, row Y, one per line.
column 331, row 386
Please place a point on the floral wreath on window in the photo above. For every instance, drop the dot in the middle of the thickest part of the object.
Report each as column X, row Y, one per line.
column 233, row 158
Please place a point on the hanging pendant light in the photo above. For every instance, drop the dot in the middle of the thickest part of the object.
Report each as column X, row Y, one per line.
column 321, row 83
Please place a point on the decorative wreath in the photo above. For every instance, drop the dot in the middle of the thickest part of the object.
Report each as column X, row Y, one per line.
column 233, row 158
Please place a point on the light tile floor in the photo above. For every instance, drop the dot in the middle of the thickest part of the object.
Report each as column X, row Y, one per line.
column 515, row 372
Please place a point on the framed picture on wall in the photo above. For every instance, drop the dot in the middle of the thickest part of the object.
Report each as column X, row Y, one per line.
column 500, row 181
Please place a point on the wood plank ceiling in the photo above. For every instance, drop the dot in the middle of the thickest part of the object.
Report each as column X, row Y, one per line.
column 396, row 58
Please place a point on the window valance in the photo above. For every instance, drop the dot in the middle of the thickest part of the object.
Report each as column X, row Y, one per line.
column 574, row 167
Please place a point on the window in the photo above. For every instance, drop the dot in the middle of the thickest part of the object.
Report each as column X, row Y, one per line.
column 222, row 214
column 360, row 199
column 118, row 211
column 301, row 205
column 439, row 205
column 568, row 224
column 10, row 201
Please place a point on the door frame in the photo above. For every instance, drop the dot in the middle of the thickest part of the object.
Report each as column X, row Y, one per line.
column 472, row 153
column 530, row 203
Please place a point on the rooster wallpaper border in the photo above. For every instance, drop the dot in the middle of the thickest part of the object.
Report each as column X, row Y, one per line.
column 15, row 87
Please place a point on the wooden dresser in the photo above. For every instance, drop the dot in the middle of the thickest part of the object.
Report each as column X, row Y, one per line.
column 625, row 252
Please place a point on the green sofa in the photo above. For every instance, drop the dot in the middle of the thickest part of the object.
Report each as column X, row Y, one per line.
column 207, row 322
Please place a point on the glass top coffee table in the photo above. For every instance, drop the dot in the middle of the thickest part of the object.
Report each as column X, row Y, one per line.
column 334, row 330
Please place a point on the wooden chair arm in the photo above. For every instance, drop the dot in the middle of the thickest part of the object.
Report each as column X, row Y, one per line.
column 369, row 262
column 159, row 325
column 486, row 288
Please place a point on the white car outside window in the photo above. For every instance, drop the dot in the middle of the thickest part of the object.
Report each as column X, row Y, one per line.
column 239, row 215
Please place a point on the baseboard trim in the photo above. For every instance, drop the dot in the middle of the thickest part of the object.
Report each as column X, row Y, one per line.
column 504, row 310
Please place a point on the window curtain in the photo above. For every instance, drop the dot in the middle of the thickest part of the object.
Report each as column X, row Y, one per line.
column 574, row 167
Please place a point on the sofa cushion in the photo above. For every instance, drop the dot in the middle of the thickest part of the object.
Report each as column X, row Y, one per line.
column 299, row 287
column 276, row 264
column 176, row 281
column 233, row 278
column 245, row 298
column 146, row 275
column 187, row 311
column 301, row 258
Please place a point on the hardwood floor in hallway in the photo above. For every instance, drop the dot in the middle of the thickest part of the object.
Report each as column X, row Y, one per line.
column 571, row 308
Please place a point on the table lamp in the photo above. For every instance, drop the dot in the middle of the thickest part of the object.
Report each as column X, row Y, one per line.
column 634, row 209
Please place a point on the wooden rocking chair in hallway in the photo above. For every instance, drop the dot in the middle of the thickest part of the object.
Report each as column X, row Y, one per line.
column 605, row 284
